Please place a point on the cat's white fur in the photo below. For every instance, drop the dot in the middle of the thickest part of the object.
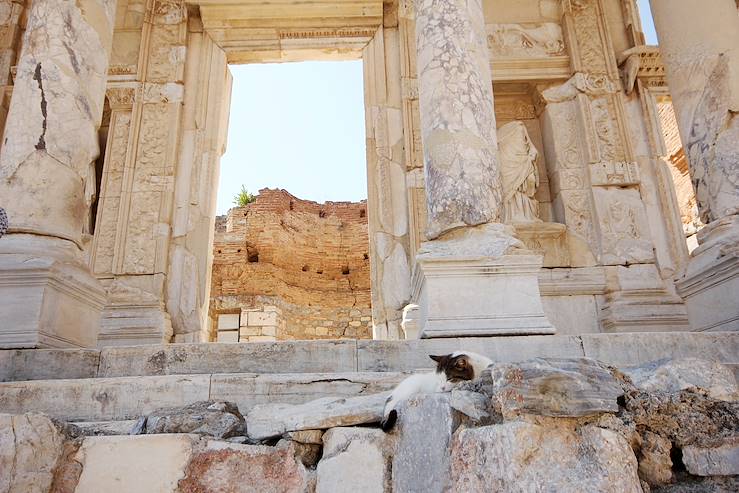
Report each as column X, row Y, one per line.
column 429, row 383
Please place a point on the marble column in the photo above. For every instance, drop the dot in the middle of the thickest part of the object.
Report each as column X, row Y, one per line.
column 473, row 278
column 702, row 66
column 47, row 295
column 457, row 119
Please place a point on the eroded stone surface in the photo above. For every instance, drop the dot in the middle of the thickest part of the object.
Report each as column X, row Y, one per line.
column 722, row 460
column 355, row 460
column 272, row 420
column 216, row 419
column 424, row 430
column 250, row 468
column 679, row 374
column 555, row 387
column 457, row 118
column 30, row 447
column 520, row 456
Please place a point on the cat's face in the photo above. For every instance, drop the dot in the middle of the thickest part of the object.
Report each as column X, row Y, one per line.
column 456, row 368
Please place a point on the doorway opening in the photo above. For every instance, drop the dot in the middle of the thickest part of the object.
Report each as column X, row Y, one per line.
column 291, row 252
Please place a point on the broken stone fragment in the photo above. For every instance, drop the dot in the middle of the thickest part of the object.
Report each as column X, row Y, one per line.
column 714, row 461
column 688, row 417
column 555, row 387
column 308, row 454
column 311, row 437
column 359, row 457
column 674, row 375
column 30, row 447
column 273, row 420
column 216, row 419
column 472, row 404
column 655, row 463
column 424, row 433
column 519, row 456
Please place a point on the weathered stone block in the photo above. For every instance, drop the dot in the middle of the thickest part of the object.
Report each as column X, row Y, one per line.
column 673, row 375
column 355, row 460
column 271, row 420
column 262, row 318
column 102, row 399
column 249, row 390
column 30, row 446
column 261, row 338
column 555, row 387
column 144, row 464
column 716, row 461
column 287, row 356
column 228, row 336
column 422, row 460
column 518, row 456
column 216, row 419
column 40, row 364
column 237, row 468
column 228, row 321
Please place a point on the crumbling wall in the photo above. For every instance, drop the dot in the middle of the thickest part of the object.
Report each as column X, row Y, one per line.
column 679, row 169
column 307, row 262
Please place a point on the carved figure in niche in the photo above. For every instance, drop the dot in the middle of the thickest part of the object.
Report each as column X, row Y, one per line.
column 526, row 40
column 519, row 173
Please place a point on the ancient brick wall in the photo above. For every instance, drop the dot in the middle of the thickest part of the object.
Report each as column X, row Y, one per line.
column 679, row 169
column 306, row 262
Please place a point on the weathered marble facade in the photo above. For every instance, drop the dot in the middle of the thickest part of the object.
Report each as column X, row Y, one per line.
column 121, row 226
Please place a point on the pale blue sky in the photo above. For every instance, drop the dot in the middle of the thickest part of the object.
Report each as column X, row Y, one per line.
column 300, row 126
column 297, row 126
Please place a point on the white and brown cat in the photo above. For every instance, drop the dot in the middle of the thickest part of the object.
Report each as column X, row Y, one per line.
column 450, row 369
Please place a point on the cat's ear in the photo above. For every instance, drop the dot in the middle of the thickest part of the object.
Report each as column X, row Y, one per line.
column 438, row 358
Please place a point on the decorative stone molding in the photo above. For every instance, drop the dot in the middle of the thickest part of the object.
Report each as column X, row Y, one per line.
column 121, row 97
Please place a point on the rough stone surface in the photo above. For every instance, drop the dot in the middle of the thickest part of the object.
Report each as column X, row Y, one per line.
column 355, row 460
column 518, row 456
column 216, row 419
column 272, row 420
column 320, row 290
column 424, row 430
column 96, row 428
column 716, row 461
column 313, row 437
column 555, row 387
column 250, row 468
column 30, row 447
column 457, row 117
column 655, row 463
column 285, row 357
column 675, row 375
column 688, row 417
column 40, row 364
column 146, row 464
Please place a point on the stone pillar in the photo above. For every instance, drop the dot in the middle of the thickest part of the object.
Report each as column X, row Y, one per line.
column 702, row 67
column 465, row 281
column 457, row 118
column 47, row 295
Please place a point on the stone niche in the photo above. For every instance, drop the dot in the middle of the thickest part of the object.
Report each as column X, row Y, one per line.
column 286, row 268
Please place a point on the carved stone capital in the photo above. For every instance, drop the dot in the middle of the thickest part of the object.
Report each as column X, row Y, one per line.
column 121, row 97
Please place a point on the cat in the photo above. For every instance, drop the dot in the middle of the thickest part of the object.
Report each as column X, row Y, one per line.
column 450, row 369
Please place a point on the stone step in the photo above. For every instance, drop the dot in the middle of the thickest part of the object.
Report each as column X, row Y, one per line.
column 326, row 356
column 125, row 398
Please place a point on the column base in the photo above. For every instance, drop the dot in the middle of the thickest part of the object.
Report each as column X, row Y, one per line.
column 479, row 283
column 638, row 300
column 134, row 325
column 48, row 297
column 711, row 281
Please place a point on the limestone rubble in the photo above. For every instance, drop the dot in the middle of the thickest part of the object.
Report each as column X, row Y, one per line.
column 650, row 440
